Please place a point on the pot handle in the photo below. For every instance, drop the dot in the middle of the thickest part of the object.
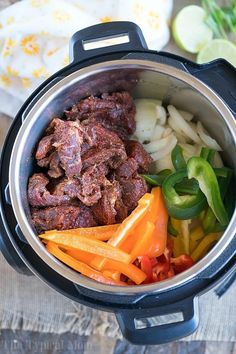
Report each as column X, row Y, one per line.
column 219, row 75
column 128, row 35
column 169, row 329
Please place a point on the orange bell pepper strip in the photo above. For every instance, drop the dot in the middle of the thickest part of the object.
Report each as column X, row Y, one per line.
column 145, row 239
column 151, row 216
column 82, row 256
column 127, row 226
column 102, row 233
column 96, row 247
column 141, row 233
column 158, row 244
column 130, row 270
column 113, row 274
column 80, row 266
column 130, row 223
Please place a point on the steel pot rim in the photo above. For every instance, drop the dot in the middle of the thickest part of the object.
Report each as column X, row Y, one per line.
column 14, row 182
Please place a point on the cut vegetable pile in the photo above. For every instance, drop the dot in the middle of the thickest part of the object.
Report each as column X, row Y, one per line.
column 174, row 225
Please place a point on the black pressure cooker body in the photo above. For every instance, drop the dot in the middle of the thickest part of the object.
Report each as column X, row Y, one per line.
column 133, row 310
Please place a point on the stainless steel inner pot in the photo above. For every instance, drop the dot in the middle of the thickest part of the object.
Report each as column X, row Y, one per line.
column 146, row 80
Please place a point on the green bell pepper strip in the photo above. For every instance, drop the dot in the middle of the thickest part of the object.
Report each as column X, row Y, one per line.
column 208, row 154
column 177, row 158
column 223, row 172
column 157, row 180
column 186, row 186
column 209, row 221
column 181, row 206
column 199, row 168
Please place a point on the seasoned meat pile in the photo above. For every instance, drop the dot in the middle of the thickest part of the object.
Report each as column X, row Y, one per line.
column 89, row 170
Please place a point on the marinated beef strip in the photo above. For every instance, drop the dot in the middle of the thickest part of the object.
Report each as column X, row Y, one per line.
column 114, row 111
column 135, row 150
column 39, row 195
column 44, row 147
column 92, row 169
column 105, row 211
column 62, row 217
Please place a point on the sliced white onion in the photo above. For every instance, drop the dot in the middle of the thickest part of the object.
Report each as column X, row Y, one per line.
column 167, row 132
column 161, row 114
column 144, row 128
column 182, row 124
column 193, row 126
column 156, row 145
column 189, row 150
column 181, row 138
column 180, row 135
column 210, row 142
column 174, row 126
column 145, row 107
column 157, row 132
column 164, row 163
column 171, row 141
column 186, row 115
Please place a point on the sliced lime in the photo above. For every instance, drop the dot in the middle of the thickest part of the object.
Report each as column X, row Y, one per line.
column 189, row 29
column 218, row 48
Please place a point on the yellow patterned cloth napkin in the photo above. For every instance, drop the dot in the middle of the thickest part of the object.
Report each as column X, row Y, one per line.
column 34, row 37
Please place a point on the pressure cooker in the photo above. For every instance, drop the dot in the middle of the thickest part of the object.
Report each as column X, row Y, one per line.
column 208, row 91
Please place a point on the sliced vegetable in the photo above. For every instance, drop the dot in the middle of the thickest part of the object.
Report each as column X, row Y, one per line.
column 80, row 266
column 178, row 246
column 113, row 274
column 186, row 115
column 171, row 230
column 205, row 245
column 157, row 180
column 197, row 233
column 207, row 154
column 208, row 221
column 82, row 256
column 183, row 125
column 127, row 227
column 200, row 169
column 89, row 245
column 157, row 132
column 210, row 142
column 158, row 244
column 130, row 270
column 170, row 142
column 146, row 267
column 187, row 186
column 161, row 114
column 129, row 224
column 181, row 207
column 178, row 158
column 185, row 234
column 145, row 239
column 102, row 233
column 182, row 263
column 157, row 145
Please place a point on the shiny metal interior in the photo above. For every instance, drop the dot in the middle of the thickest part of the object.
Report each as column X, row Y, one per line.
column 144, row 79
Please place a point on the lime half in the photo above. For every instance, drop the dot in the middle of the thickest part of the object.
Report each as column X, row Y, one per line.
column 189, row 29
column 218, row 48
